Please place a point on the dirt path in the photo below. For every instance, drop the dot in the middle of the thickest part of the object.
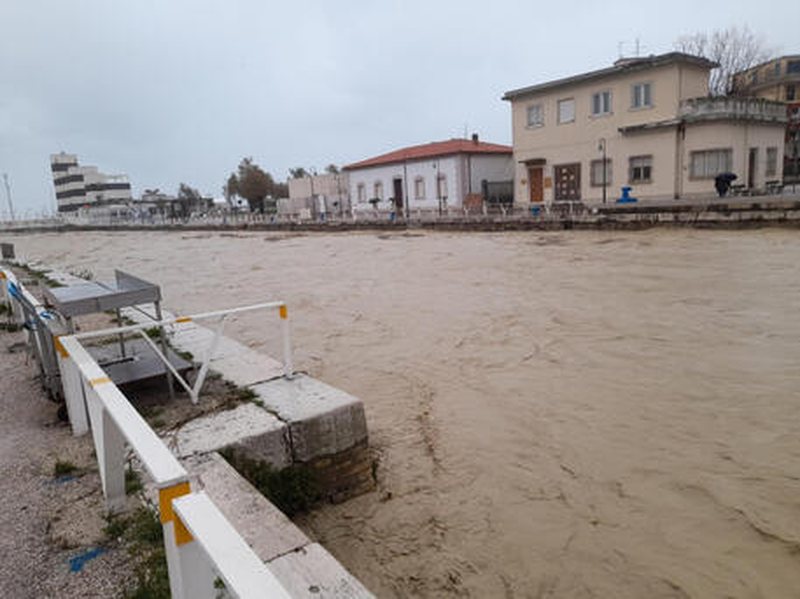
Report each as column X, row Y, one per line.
column 48, row 523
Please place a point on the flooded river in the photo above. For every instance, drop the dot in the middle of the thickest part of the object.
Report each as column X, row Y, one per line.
column 580, row 414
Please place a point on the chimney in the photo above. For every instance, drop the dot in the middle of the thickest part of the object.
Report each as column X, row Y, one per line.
column 475, row 138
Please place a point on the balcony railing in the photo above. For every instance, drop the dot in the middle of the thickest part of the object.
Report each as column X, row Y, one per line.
column 756, row 109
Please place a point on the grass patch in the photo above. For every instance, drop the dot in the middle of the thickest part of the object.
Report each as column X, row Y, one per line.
column 10, row 327
column 292, row 490
column 153, row 332
column 82, row 273
column 64, row 468
column 39, row 275
column 4, row 309
column 133, row 482
column 142, row 534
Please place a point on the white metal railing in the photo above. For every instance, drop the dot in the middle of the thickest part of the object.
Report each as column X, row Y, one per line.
column 201, row 545
column 220, row 316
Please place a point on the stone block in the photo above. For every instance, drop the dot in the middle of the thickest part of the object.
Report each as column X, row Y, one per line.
column 247, row 369
column 263, row 526
column 322, row 420
column 314, row 573
column 247, row 428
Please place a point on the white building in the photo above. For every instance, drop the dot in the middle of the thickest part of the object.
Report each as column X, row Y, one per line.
column 317, row 195
column 85, row 186
column 431, row 176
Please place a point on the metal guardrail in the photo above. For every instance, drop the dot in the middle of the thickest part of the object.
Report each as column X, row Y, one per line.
column 201, row 545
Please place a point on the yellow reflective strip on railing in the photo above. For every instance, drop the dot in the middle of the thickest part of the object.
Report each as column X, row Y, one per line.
column 184, row 319
column 165, row 497
column 62, row 351
column 284, row 312
column 2, row 275
column 99, row 381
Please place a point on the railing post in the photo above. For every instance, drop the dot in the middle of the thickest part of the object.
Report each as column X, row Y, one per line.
column 288, row 367
column 190, row 574
column 73, row 390
column 109, row 445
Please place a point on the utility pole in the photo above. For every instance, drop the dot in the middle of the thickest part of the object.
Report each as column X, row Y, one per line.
column 602, row 148
column 8, row 195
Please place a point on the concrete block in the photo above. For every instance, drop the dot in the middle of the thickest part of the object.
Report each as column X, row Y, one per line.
column 247, row 369
column 263, row 526
column 247, row 428
column 322, row 420
column 313, row 572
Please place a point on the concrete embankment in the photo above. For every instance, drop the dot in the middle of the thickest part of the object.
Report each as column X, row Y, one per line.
column 727, row 213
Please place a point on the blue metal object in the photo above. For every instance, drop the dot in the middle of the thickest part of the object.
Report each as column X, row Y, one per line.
column 626, row 196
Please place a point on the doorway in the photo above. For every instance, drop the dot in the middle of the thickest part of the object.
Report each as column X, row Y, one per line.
column 397, row 184
column 536, row 184
column 752, row 165
column 567, row 182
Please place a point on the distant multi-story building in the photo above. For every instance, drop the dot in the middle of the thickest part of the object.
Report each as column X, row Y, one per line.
column 778, row 79
column 645, row 123
column 84, row 186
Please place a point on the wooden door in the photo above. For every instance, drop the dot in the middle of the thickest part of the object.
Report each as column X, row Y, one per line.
column 536, row 184
column 398, row 194
column 751, row 168
column 567, row 182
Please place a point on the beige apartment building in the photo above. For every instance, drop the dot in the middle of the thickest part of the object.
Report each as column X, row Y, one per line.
column 778, row 79
column 644, row 123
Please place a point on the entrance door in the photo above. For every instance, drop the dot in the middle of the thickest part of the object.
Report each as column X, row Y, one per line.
column 752, row 165
column 567, row 182
column 398, row 194
column 536, row 184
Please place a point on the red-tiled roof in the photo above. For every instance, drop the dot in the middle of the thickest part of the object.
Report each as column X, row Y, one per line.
column 433, row 150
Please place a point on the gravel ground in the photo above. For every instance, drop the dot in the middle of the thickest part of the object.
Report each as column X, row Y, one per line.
column 47, row 521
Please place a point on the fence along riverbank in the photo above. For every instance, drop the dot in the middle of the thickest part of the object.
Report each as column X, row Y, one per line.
column 203, row 549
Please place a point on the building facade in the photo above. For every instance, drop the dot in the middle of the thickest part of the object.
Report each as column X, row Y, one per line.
column 433, row 176
column 779, row 80
column 318, row 194
column 84, row 186
column 644, row 123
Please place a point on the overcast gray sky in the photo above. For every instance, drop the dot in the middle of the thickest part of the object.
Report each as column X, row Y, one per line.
column 172, row 91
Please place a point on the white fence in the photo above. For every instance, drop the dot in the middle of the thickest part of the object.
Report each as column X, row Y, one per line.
column 201, row 545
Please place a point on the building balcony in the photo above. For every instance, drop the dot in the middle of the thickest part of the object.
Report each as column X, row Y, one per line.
column 733, row 108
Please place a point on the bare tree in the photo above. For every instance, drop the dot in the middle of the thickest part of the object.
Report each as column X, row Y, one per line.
column 733, row 48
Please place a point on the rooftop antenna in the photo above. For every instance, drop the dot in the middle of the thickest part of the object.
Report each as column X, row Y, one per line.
column 637, row 47
column 466, row 126
column 8, row 195
column 619, row 49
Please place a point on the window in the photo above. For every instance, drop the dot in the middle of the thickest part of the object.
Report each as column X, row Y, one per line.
column 790, row 92
column 566, row 110
column 419, row 188
column 535, row 115
column 596, row 174
column 707, row 164
column 641, row 169
column 441, row 186
column 601, row 103
column 361, row 193
column 641, row 95
column 378, row 190
column 793, row 66
column 772, row 162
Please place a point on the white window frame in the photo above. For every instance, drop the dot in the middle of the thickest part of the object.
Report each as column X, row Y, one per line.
column 772, row 162
column 419, row 188
column 377, row 190
column 596, row 178
column 708, row 163
column 535, row 115
column 646, row 98
column 601, row 100
column 361, row 193
column 640, row 162
column 566, row 102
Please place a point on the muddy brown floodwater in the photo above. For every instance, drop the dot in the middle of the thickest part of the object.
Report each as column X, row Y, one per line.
column 587, row 414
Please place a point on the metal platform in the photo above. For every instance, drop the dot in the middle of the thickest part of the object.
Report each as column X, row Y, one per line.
column 139, row 365
column 93, row 296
